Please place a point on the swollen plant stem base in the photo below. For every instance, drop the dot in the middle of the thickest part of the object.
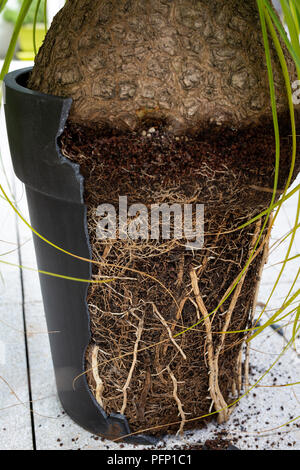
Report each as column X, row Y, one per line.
column 185, row 62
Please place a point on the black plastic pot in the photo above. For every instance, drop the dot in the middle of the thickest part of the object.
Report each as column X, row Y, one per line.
column 54, row 189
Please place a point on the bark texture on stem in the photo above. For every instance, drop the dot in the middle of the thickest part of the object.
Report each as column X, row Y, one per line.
column 185, row 62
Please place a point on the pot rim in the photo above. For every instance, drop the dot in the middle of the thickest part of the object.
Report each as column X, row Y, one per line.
column 12, row 80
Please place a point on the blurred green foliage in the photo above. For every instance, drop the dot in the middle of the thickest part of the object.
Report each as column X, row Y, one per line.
column 10, row 15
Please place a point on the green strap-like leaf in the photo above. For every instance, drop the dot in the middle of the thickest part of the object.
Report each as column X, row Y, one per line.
column 2, row 4
column 34, row 25
column 283, row 34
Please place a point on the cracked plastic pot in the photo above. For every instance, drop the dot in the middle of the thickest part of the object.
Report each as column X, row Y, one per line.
column 54, row 189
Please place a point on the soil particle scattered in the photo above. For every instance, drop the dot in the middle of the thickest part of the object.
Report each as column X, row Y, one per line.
column 216, row 444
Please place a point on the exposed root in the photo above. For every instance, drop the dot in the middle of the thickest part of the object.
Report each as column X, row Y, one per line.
column 223, row 416
column 214, row 390
column 147, row 386
column 180, row 272
column 196, row 307
column 169, row 331
column 213, row 355
column 134, row 361
column 174, row 323
column 99, row 383
column 182, row 285
column 178, row 401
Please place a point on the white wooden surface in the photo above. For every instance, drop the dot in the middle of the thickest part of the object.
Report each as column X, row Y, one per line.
column 15, row 422
column 26, row 368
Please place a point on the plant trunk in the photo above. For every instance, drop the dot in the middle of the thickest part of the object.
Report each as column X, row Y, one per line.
column 185, row 62
column 171, row 105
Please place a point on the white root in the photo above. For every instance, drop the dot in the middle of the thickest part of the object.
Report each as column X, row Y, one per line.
column 213, row 356
column 134, row 361
column 215, row 393
column 168, row 330
column 177, row 399
column 97, row 378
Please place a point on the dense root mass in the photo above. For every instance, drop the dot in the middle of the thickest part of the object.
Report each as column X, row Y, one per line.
column 139, row 366
column 157, row 71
